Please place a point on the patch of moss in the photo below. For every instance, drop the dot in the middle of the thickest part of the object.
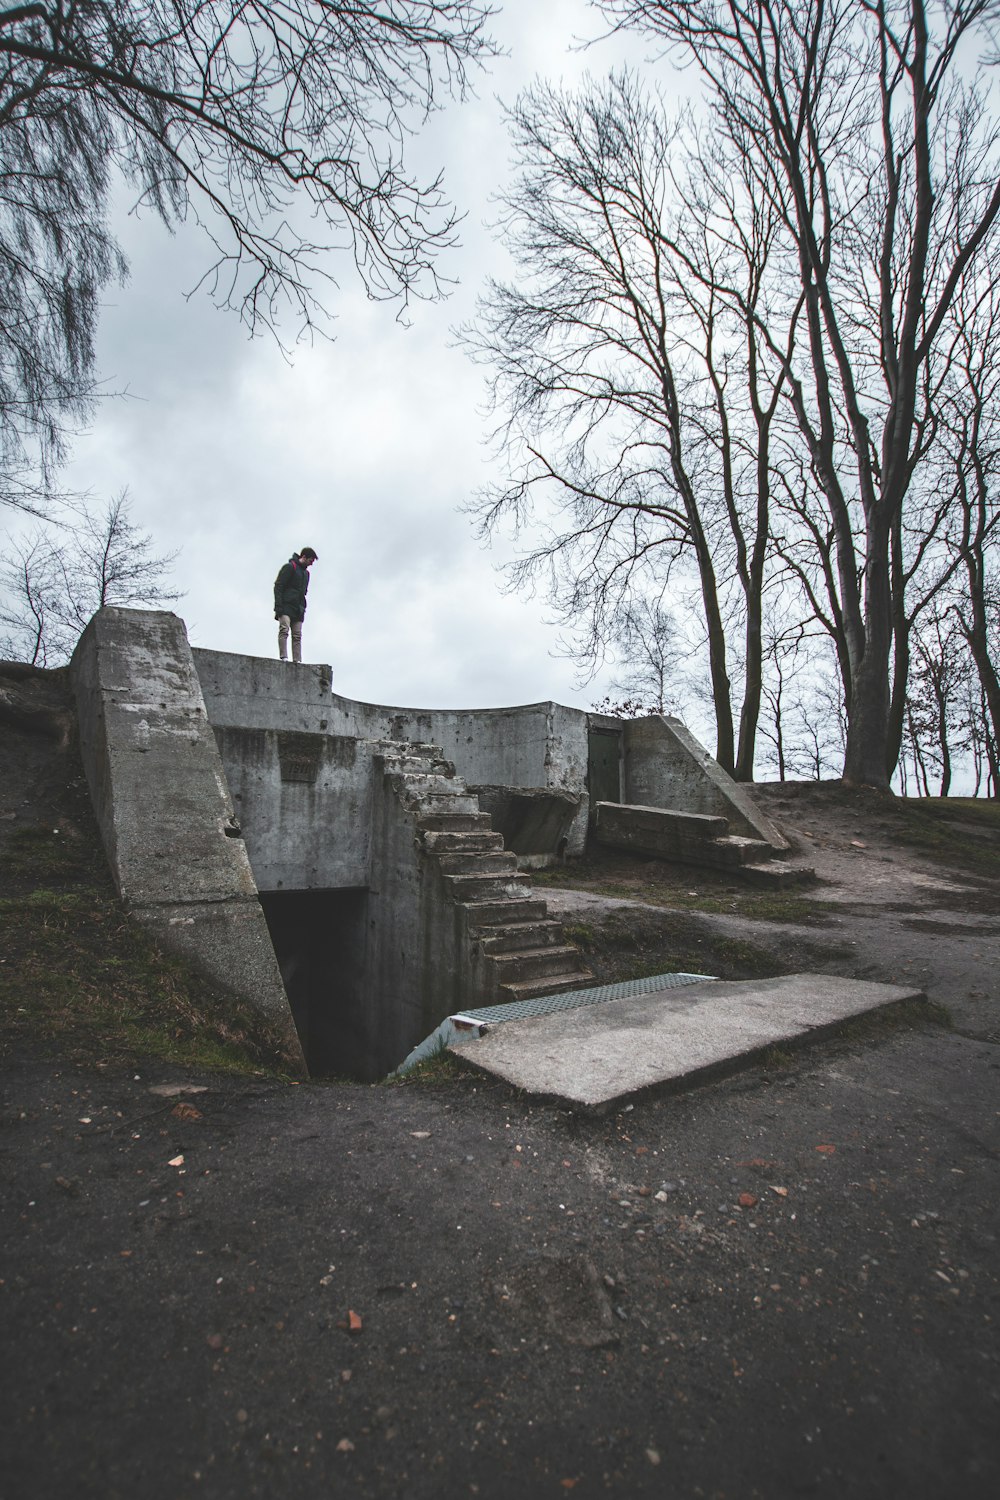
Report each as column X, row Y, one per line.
column 439, row 1068
column 778, row 1059
column 583, row 934
column 656, row 883
column 51, row 857
column 983, row 812
column 960, row 831
column 75, row 970
column 637, row 943
column 913, row 1014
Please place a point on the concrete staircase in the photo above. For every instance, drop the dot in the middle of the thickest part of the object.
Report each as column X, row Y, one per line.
column 520, row 951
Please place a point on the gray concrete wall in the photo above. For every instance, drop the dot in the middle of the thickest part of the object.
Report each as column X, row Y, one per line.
column 302, row 788
column 185, row 749
column 163, row 807
column 536, row 823
column 256, row 692
column 666, row 767
column 305, row 805
column 532, row 745
column 691, row 838
column 418, row 958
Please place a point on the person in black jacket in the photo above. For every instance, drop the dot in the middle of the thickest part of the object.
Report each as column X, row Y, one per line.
column 290, row 589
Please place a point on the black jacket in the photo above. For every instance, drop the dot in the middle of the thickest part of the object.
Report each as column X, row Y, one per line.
column 290, row 589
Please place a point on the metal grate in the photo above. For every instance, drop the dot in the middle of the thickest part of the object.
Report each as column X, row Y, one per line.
column 545, row 1005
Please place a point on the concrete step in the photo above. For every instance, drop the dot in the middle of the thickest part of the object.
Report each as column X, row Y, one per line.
column 776, row 875
column 417, row 785
column 485, row 917
column 449, row 821
column 461, row 841
column 458, row 802
column 531, row 989
column 488, row 862
column 415, row 765
column 734, row 850
column 488, row 887
column 541, row 963
column 514, row 937
column 409, row 747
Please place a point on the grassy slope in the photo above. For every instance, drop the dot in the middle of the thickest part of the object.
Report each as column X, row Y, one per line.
column 77, row 974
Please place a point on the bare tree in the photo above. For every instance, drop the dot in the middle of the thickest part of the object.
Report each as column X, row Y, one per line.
column 635, row 406
column 983, row 747
column 49, row 589
column 649, row 649
column 971, row 442
column 786, row 658
column 802, row 728
column 29, row 585
column 934, row 703
column 883, row 164
column 277, row 124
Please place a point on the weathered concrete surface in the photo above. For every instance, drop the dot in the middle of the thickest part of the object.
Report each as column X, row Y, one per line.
column 658, row 830
column 217, row 775
column 257, row 692
column 329, row 801
column 541, row 745
column 536, row 823
column 164, row 810
column 665, row 766
column 534, row 745
column 304, row 801
column 599, row 1055
column 448, row 919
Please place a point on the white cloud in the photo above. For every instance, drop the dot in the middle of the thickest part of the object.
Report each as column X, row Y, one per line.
column 363, row 448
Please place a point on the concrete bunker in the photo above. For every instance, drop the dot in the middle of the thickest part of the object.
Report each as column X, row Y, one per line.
column 335, row 862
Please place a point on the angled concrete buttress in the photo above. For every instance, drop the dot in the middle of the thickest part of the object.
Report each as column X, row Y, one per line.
column 164, row 808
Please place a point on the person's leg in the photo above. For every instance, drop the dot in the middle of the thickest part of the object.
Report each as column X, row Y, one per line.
column 283, row 627
column 296, row 640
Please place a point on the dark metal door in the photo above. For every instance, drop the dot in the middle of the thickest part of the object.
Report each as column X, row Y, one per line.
column 604, row 761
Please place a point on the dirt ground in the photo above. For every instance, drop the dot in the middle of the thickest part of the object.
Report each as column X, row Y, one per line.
column 785, row 1283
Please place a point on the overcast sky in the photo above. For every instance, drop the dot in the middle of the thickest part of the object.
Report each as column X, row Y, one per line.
column 364, row 448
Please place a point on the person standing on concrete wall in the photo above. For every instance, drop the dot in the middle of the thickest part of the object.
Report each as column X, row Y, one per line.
column 290, row 589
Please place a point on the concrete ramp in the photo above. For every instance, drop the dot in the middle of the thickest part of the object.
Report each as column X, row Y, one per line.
column 596, row 1056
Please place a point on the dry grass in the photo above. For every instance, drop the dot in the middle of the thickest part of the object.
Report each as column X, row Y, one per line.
column 77, row 972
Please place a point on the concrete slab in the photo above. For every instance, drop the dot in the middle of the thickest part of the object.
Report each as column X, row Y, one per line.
column 671, row 1039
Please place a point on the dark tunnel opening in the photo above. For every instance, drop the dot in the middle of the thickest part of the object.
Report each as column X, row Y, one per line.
column 319, row 941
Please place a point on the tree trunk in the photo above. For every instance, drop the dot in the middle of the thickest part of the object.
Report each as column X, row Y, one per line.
column 866, row 755
column 720, row 681
column 721, row 686
column 900, row 653
column 942, row 728
column 750, row 712
column 754, row 592
column 976, row 633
